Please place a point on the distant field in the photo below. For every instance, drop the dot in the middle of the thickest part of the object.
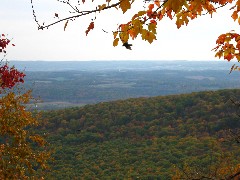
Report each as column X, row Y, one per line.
column 78, row 83
column 55, row 105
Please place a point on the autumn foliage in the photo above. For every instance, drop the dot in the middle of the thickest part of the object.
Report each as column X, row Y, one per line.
column 4, row 42
column 143, row 24
column 144, row 21
column 10, row 76
column 19, row 155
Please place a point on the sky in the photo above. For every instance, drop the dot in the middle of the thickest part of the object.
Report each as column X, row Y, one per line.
column 192, row 42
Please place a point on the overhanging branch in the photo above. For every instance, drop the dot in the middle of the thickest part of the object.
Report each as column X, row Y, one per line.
column 81, row 13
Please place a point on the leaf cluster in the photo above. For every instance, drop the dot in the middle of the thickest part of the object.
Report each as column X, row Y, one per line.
column 145, row 20
column 20, row 155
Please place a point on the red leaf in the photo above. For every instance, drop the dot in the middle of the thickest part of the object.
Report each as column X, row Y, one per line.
column 153, row 21
column 10, row 76
column 90, row 27
column 229, row 57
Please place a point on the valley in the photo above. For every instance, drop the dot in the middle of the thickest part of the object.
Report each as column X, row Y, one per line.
column 69, row 84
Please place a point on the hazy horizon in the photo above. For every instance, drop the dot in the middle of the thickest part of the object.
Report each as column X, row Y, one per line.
column 143, row 65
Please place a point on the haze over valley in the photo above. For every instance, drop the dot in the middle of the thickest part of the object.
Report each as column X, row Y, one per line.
column 65, row 84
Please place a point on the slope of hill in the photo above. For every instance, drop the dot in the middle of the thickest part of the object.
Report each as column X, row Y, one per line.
column 144, row 138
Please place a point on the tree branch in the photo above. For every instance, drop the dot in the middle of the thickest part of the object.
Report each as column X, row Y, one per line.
column 81, row 13
column 233, row 176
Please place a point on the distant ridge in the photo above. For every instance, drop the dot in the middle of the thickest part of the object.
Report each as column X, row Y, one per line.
column 123, row 65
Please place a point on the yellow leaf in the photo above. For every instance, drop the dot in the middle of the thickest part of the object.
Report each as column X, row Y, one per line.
column 182, row 19
column 152, row 27
column 140, row 13
column 124, row 37
column 148, row 36
column 115, row 34
column 124, row 27
column 175, row 5
column 137, row 26
column 101, row 7
column 125, row 5
column 115, row 42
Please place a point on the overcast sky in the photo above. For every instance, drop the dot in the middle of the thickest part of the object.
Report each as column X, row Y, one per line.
column 192, row 42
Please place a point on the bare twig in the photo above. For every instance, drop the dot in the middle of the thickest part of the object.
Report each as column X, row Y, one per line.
column 80, row 13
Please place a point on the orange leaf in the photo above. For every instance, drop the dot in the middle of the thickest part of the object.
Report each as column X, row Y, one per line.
column 169, row 14
column 150, row 7
column 115, row 34
column 132, row 33
column 157, row 2
column 160, row 15
column 221, row 39
column 229, row 57
column 235, row 15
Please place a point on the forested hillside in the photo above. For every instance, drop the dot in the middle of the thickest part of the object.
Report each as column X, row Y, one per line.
column 146, row 138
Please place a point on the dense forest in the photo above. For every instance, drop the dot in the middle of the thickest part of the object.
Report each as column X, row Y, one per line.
column 145, row 138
